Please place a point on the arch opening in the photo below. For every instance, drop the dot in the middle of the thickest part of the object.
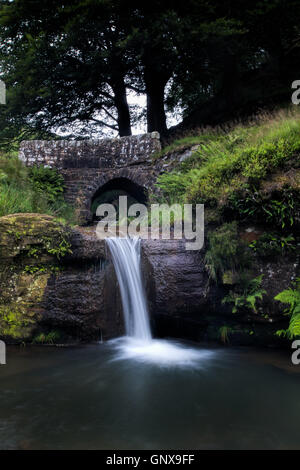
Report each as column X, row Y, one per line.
column 109, row 194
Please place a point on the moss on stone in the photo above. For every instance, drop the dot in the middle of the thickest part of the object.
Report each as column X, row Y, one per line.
column 32, row 235
column 16, row 323
column 31, row 246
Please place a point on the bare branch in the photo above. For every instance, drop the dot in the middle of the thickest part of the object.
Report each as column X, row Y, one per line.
column 137, row 90
column 110, row 126
column 110, row 115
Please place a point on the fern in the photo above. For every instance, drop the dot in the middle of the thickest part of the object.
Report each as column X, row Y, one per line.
column 250, row 291
column 289, row 296
column 292, row 298
column 294, row 326
column 251, row 299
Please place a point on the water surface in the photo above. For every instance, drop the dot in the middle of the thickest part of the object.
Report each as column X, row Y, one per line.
column 96, row 397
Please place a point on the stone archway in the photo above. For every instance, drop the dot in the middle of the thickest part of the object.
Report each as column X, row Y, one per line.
column 115, row 187
column 135, row 180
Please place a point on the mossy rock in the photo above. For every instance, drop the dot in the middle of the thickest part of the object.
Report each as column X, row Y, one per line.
column 21, row 306
column 31, row 247
column 34, row 236
column 17, row 323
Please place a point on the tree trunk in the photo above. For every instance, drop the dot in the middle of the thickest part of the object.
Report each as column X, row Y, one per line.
column 155, row 90
column 121, row 103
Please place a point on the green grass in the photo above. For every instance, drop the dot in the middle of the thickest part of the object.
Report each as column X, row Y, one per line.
column 24, row 190
column 224, row 333
column 186, row 142
column 52, row 337
column 225, row 162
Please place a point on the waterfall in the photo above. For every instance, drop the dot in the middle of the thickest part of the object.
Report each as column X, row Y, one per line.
column 138, row 343
column 126, row 256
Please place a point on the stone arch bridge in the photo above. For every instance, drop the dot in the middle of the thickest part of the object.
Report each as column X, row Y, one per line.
column 88, row 166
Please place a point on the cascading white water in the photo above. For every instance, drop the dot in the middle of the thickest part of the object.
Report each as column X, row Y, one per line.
column 138, row 344
column 126, row 255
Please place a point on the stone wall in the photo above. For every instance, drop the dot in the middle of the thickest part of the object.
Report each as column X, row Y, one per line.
column 102, row 154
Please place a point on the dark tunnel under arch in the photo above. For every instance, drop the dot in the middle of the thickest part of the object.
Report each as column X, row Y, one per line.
column 110, row 191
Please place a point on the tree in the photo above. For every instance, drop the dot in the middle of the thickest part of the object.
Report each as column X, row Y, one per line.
column 251, row 67
column 160, row 39
column 71, row 64
column 65, row 64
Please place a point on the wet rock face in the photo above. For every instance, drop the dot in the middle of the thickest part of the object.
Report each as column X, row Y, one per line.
column 181, row 299
column 84, row 299
column 179, row 276
column 30, row 247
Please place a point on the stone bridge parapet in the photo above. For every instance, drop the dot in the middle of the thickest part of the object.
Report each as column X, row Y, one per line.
column 87, row 165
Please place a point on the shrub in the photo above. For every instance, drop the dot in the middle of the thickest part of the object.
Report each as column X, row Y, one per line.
column 47, row 338
column 280, row 210
column 47, row 181
column 273, row 244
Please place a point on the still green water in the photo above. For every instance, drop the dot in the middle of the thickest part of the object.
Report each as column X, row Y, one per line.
column 90, row 398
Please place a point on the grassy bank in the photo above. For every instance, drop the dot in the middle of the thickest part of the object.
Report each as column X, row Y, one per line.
column 226, row 162
column 248, row 178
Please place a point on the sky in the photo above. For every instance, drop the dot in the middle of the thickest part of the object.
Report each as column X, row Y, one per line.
column 137, row 128
column 140, row 100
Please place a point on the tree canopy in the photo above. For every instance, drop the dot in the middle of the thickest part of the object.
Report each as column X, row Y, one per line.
column 71, row 63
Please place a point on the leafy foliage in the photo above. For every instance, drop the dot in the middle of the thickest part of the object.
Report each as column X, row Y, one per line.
column 252, row 205
column 273, row 244
column 70, row 64
column 91, row 52
column 292, row 298
column 246, row 295
column 47, row 181
column 60, row 250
